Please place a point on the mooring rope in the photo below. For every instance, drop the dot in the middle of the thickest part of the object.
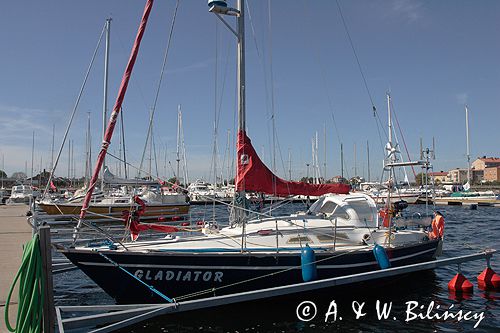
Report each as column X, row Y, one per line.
column 153, row 289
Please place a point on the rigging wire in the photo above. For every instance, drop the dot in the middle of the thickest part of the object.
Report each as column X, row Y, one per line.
column 402, row 137
column 165, row 57
column 75, row 107
column 374, row 109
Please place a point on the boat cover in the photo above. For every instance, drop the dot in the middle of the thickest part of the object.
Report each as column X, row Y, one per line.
column 254, row 175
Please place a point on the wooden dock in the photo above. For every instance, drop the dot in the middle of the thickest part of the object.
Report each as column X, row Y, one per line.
column 14, row 233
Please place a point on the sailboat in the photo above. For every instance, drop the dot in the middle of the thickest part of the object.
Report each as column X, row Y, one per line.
column 381, row 192
column 340, row 229
column 468, row 197
column 161, row 202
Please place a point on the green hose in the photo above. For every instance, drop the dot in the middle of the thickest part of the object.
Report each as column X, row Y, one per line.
column 31, row 286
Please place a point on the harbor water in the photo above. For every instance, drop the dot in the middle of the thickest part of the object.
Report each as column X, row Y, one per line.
column 417, row 302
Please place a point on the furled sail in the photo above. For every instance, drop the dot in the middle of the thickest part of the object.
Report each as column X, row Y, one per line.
column 253, row 175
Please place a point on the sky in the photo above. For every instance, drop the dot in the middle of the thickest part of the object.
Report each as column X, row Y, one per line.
column 432, row 56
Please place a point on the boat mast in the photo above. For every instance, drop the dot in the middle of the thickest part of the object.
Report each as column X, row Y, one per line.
column 355, row 162
column 3, row 168
column 324, row 152
column 177, row 175
column 114, row 115
column 368, row 158
column 52, row 148
column 468, row 145
column 219, row 8
column 87, row 152
column 389, row 124
column 341, row 160
column 105, row 95
column 32, row 157
column 289, row 164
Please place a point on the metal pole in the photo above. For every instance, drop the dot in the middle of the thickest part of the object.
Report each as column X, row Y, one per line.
column 3, row 168
column 105, row 96
column 289, row 164
column 341, row 160
column 178, row 141
column 468, row 146
column 324, row 162
column 241, row 99
column 389, row 119
column 241, row 67
column 368, row 158
column 32, row 157
column 355, row 162
column 52, row 149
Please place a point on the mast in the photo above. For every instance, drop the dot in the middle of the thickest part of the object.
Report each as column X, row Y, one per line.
column 150, row 172
column 324, row 151
column 389, row 124
column 3, row 167
column 114, row 115
column 178, row 142
column 241, row 67
column 73, row 161
column 313, row 162
column 318, row 170
column 468, row 144
column 368, row 158
column 289, row 164
column 341, row 160
column 219, row 8
column 87, row 151
column 105, row 95
column 52, row 148
column 183, row 152
column 32, row 157
column 355, row 162
column 69, row 161
column 228, row 154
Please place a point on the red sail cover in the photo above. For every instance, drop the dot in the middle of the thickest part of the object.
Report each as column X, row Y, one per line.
column 253, row 175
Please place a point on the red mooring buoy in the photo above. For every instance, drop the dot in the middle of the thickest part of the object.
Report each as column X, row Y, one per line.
column 460, row 283
column 488, row 279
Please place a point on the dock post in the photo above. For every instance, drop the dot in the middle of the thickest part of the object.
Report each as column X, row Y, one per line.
column 48, row 292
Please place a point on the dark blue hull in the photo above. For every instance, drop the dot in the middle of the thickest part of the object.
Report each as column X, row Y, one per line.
column 181, row 274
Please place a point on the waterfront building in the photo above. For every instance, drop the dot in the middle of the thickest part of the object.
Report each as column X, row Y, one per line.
column 492, row 174
column 439, row 177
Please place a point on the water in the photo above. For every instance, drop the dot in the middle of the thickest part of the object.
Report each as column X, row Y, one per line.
column 466, row 232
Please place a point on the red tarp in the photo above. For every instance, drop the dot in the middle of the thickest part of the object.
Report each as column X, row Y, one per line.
column 253, row 175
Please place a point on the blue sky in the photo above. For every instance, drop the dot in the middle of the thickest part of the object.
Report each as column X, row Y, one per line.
column 433, row 56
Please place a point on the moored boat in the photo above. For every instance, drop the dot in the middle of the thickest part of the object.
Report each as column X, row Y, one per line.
column 340, row 234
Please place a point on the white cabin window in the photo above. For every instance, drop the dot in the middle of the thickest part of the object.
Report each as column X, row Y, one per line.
column 364, row 211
